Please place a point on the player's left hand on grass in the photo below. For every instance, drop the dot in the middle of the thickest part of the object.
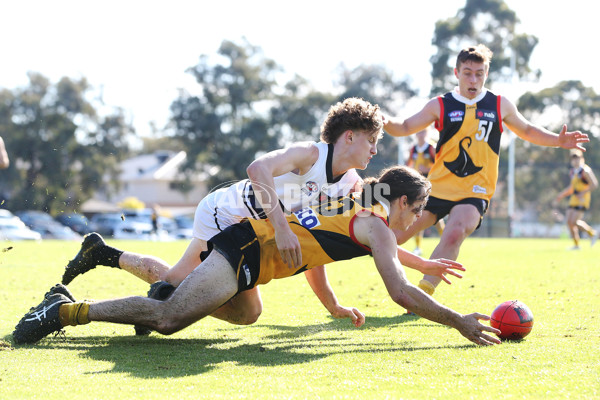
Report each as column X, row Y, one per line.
column 440, row 267
column 472, row 329
column 572, row 140
column 358, row 318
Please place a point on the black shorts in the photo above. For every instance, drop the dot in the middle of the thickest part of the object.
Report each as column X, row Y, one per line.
column 578, row 208
column 441, row 207
column 239, row 245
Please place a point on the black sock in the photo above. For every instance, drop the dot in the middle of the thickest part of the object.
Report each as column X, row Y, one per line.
column 108, row 256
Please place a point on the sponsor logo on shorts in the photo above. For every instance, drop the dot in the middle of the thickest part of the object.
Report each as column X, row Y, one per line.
column 247, row 272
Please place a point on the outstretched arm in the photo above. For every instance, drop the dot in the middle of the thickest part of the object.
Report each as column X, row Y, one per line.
column 436, row 267
column 566, row 192
column 538, row 135
column 428, row 114
column 374, row 233
column 317, row 279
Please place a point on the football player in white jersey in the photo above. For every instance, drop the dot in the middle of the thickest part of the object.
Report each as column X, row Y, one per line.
column 280, row 181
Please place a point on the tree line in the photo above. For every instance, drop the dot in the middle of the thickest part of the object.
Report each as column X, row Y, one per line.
column 63, row 148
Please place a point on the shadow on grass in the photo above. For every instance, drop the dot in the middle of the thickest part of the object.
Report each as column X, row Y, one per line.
column 166, row 357
column 287, row 331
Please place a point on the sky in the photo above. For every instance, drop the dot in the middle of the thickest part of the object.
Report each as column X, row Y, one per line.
column 135, row 53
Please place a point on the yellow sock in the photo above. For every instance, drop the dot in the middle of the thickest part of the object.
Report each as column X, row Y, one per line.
column 591, row 232
column 418, row 241
column 427, row 287
column 74, row 313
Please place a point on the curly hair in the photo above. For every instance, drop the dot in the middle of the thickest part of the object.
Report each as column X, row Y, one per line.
column 353, row 113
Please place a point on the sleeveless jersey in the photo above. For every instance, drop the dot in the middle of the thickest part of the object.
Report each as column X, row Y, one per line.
column 467, row 153
column 422, row 156
column 230, row 205
column 579, row 184
column 325, row 233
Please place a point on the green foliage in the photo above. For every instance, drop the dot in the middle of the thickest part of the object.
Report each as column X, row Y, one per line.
column 297, row 351
column 223, row 127
column 243, row 112
column 543, row 169
column 59, row 147
column 491, row 23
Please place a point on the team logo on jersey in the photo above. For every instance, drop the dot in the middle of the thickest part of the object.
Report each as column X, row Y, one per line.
column 310, row 188
column 463, row 165
column 485, row 115
column 456, row 115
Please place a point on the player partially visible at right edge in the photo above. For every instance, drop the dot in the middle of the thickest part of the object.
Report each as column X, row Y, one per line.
column 583, row 182
column 465, row 171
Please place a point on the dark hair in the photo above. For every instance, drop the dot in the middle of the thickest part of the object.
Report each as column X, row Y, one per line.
column 393, row 183
column 479, row 54
column 352, row 113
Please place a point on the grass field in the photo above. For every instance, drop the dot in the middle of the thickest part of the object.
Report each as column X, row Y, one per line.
column 296, row 350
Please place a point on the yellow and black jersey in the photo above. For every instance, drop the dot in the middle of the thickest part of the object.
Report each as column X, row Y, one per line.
column 467, row 153
column 579, row 184
column 325, row 233
column 422, row 156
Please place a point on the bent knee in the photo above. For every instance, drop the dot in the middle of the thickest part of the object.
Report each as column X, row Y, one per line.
column 169, row 325
column 251, row 316
column 456, row 236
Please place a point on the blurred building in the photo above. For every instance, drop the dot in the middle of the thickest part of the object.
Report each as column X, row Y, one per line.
column 153, row 179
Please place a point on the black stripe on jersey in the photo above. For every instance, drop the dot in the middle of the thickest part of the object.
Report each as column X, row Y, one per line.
column 449, row 128
column 329, row 164
column 336, row 245
column 216, row 219
column 252, row 205
column 247, row 196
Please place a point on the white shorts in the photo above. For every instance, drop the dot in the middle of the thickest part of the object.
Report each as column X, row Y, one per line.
column 221, row 209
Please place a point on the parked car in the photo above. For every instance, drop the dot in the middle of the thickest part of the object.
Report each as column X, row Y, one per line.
column 56, row 230
column 166, row 226
column 78, row 222
column 105, row 223
column 47, row 226
column 12, row 228
column 185, row 227
column 121, row 226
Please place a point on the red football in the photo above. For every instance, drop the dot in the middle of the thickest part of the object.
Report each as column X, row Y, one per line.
column 513, row 318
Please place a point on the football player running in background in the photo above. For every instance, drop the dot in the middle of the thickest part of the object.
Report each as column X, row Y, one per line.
column 421, row 158
column 583, row 182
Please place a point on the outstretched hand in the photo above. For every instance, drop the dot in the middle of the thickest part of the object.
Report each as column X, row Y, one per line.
column 440, row 267
column 358, row 318
column 572, row 140
column 474, row 330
